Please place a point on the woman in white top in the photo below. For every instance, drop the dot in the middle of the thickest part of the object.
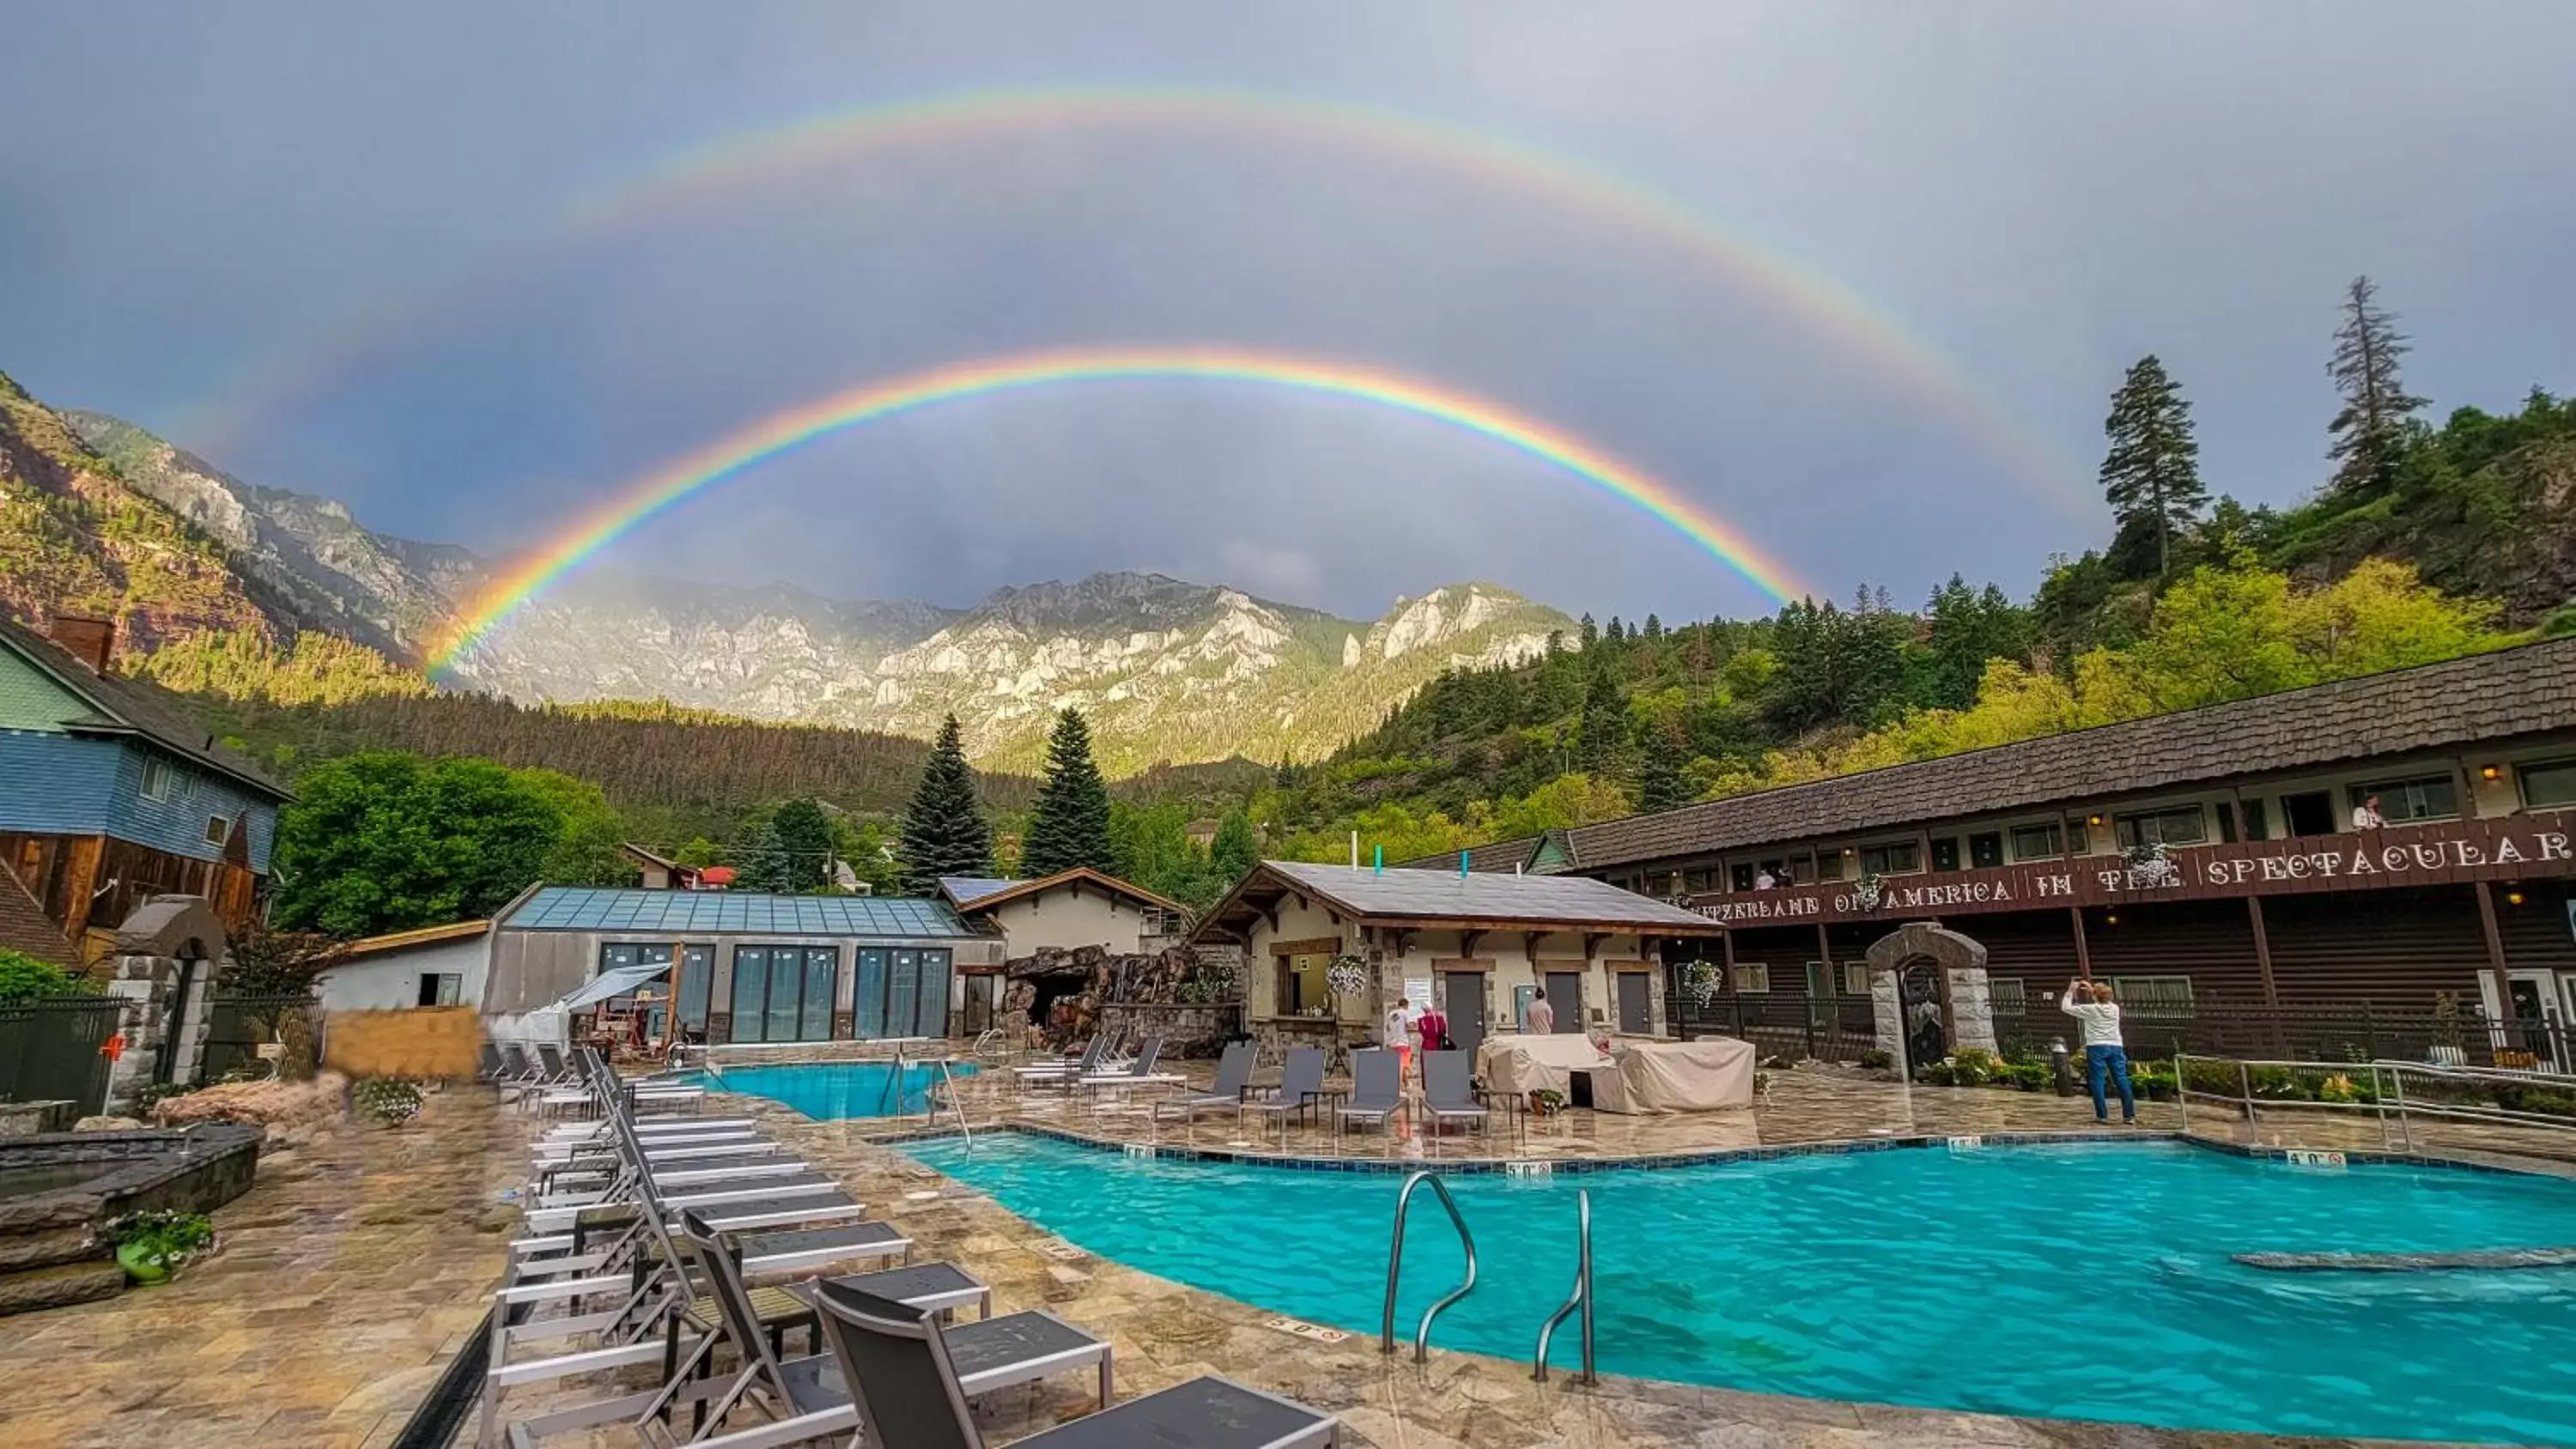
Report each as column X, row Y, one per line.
column 2091, row 1006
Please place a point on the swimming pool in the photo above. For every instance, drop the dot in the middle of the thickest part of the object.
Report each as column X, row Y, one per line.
column 828, row 1091
column 2088, row 1281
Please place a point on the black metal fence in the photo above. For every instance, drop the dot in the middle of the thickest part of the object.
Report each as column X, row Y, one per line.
column 237, row 1026
column 50, row 1049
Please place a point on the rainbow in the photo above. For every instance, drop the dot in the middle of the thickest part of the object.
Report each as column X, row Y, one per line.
column 747, row 448
column 689, row 175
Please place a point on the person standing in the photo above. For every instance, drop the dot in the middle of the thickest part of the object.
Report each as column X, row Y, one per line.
column 2091, row 1005
column 2366, row 816
column 1398, row 1036
column 1433, row 1027
column 1540, row 1019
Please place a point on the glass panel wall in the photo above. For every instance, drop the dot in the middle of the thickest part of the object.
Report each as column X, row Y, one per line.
column 821, row 965
column 903, row 993
column 933, row 1020
column 872, row 989
column 697, row 976
column 783, row 993
column 750, row 989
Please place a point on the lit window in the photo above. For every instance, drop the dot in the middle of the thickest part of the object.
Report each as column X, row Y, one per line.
column 1855, row 978
column 2036, row 842
column 2548, row 784
column 159, row 780
column 2187, row 826
column 2430, row 798
column 1752, row 978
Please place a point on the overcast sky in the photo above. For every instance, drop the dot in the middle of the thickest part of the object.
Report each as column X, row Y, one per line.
column 359, row 251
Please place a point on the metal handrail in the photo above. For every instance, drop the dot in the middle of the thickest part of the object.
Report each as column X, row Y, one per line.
column 956, row 1104
column 1581, row 1297
column 1395, row 1266
column 2388, row 1089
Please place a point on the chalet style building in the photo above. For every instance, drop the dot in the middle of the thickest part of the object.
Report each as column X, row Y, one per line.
column 110, row 796
column 2382, row 840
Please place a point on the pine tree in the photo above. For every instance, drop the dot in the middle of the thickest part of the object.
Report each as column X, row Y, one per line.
column 1236, row 850
column 1605, row 721
column 1069, row 826
column 792, row 854
column 1587, row 633
column 2151, row 472
column 1654, row 627
column 1660, row 782
column 2370, row 431
column 1615, row 634
column 944, row 830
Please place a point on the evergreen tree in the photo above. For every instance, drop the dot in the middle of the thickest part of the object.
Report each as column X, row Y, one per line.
column 944, row 830
column 1236, row 850
column 1614, row 634
column 800, row 840
column 1069, row 826
column 1605, row 721
column 2369, row 431
column 1660, row 782
column 1654, row 627
column 1586, row 632
column 2151, row 472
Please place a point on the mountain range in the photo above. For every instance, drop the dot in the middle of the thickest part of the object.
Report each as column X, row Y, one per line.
column 109, row 518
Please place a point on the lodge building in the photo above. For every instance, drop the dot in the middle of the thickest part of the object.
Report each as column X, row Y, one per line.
column 2208, row 859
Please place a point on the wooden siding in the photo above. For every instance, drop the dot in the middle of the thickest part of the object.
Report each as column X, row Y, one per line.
column 88, row 882
column 2400, row 946
column 2537, row 934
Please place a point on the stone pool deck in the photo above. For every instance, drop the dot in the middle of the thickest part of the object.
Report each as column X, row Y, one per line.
column 361, row 1262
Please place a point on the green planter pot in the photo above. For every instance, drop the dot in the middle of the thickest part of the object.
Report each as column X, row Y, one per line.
column 139, row 1268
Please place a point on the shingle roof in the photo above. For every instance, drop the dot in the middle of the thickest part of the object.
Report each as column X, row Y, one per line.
column 121, row 705
column 1501, row 855
column 1448, row 896
column 733, row 913
column 24, row 926
column 974, row 892
column 2480, row 699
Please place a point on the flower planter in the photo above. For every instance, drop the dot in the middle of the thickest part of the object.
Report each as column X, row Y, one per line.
column 139, row 1267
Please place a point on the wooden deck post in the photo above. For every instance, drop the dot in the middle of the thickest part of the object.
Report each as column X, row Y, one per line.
column 2495, row 960
column 2083, row 952
column 2262, row 950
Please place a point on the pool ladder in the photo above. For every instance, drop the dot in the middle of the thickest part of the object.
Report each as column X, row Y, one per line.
column 1395, row 1266
column 1580, row 1298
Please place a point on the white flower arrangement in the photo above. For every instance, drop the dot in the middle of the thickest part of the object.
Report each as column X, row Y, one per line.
column 1347, row 976
column 1702, row 979
column 1867, row 890
column 2151, row 866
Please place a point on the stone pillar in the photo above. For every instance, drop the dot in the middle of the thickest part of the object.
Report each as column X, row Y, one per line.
column 1887, row 1013
column 1972, row 1012
column 147, row 985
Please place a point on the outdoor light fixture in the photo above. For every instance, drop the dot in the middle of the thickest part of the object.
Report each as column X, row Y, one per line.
column 2490, row 772
column 2111, row 919
column 2092, row 819
column 2513, row 898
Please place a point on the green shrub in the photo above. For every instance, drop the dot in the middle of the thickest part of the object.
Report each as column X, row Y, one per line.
column 23, row 977
column 2029, row 1076
column 167, row 1239
column 1876, row 1060
column 2156, row 1084
column 1974, row 1066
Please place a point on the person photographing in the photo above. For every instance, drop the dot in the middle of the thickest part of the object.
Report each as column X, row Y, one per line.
column 2091, row 1005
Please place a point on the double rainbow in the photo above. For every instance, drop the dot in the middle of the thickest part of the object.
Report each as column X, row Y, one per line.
column 782, row 432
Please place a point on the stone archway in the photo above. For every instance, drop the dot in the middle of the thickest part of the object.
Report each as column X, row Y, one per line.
column 1958, row 968
column 167, row 956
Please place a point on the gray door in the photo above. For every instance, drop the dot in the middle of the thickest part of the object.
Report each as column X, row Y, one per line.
column 1462, row 1000
column 1635, row 1016
column 1565, row 997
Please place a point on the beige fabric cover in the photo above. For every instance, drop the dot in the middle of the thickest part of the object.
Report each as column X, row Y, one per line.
column 1684, row 1076
column 1521, row 1062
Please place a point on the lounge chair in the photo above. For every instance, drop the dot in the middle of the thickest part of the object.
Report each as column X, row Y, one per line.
column 1449, row 1093
column 1301, row 1086
column 911, row 1378
column 1233, row 1074
column 1136, row 1073
column 1377, row 1089
column 1068, row 1071
column 809, row 1397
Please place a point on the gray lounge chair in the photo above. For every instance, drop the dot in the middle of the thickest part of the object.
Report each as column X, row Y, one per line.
column 910, row 1379
column 1449, row 1093
column 1233, row 1074
column 809, row 1397
column 1301, row 1086
column 1377, row 1089
column 1068, row 1071
column 1136, row 1073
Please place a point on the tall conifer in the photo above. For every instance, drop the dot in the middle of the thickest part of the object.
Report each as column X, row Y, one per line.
column 944, row 830
column 1070, row 825
column 2151, row 473
column 2369, row 432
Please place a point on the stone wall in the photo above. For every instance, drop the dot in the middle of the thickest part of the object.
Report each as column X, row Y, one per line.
column 1195, row 1002
column 1188, row 1029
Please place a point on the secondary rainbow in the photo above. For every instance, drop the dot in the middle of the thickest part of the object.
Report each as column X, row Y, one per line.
column 743, row 450
column 695, row 173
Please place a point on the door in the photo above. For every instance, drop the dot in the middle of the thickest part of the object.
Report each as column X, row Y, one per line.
column 1565, row 998
column 1636, row 1016
column 1462, row 1000
column 983, row 1002
column 2530, row 1019
column 2311, row 813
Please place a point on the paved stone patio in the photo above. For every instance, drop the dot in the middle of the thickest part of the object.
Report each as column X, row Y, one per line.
column 361, row 1262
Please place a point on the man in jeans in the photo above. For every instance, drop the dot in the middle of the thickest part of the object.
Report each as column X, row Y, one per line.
column 2093, row 1009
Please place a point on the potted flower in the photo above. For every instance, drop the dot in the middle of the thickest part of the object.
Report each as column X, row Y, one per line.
column 150, row 1246
column 1546, row 1101
column 2448, row 1050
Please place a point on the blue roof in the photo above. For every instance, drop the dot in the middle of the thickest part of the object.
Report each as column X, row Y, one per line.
column 966, row 890
column 731, row 913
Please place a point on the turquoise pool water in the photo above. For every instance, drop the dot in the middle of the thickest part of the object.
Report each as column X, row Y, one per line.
column 827, row 1091
column 2088, row 1281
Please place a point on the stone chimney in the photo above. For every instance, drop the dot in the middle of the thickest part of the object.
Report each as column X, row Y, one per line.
column 90, row 640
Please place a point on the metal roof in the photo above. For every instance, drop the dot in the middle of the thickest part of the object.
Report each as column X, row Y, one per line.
column 732, row 913
column 966, row 890
column 1532, row 899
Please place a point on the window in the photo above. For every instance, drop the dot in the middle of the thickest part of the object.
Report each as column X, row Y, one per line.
column 1986, row 851
column 1896, row 857
column 1698, row 882
column 1752, row 978
column 1743, row 877
column 783, row 993
column 218, row 830
column 1855, row 978
column 2004, row 996
column 441, row 988
column 1820, row 981
column 160, row 781
column 1945, row 853
column 2078, row 840
column 2257, row 825
column 2186, row 826
column 1830, row 863
column 2152, row 996
column 2547, row 784
column 612, row 957
column 2036, row 842
column 2226, row 822
column 2430, row 798
column 697, row 977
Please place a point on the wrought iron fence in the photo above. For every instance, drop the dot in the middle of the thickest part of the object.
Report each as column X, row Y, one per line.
column 50, row 1049
column 237, row 1026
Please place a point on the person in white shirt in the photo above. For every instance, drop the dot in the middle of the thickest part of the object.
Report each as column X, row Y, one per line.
column 1540, row 1018
column 2091, row 1006
column 1764, row 882
column 2366, row 816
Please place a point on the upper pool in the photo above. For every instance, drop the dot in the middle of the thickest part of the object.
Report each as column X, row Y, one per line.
column 2085, row 1281
column 832, row 1090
